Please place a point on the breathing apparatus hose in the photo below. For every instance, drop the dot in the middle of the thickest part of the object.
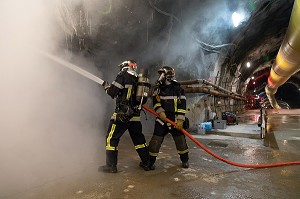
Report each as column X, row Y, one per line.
column 258, row 166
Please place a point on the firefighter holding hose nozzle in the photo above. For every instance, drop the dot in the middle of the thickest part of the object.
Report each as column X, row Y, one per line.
column 130, row 91
column 169, row 101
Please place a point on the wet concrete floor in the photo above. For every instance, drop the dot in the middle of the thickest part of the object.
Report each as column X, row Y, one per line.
column 207, row 177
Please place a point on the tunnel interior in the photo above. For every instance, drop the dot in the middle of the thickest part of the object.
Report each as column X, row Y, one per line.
column 197, row 38
column 53, row 121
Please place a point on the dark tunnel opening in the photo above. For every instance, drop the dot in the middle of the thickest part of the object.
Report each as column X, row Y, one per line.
column 290, row 94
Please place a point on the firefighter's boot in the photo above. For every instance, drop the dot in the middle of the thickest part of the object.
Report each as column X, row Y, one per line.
column 184, row 160
column 151, row 162
column 145, row 166
column 185, row 164
column 111, row 162
column 154, row 146
column 144, row 155
column 108, row 169
column 182, row 149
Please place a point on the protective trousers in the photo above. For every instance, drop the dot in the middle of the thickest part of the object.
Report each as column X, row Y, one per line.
column 115, row 131
column 160, row 131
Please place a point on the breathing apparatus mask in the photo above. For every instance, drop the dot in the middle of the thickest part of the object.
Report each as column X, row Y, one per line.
column 167, row 73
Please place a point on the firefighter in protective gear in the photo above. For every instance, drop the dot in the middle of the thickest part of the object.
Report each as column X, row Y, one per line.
column 125, row 117
column 169, row 101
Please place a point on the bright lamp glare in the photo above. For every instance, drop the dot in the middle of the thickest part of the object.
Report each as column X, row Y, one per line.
column 248, row 64
column 236, row 19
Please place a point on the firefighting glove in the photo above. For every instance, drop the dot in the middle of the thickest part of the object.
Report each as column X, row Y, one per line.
column 179, row 124
column 162, row 116
column 105, row 85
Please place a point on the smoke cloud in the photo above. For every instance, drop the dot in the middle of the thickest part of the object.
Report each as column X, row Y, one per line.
column 50, row 117
column 52, row 120
column 186, row 25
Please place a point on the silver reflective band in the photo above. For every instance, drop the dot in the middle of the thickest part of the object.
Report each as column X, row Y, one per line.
column 172, row 97
column 116, row 84
column 160, row 121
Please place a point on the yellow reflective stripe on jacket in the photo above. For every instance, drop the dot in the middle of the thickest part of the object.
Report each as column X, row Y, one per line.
column 140, row 146
column 175, row 104
column 135, row 119
column 153, row 154
column 183, row 152
column 129, row 91
column 157, row 105
column 114, row 116
column 112, row 130
column 181, row 111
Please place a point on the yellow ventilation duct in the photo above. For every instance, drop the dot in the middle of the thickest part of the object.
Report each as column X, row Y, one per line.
column 288, row 58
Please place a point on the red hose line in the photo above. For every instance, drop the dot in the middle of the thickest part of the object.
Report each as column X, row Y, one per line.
column 219, row 157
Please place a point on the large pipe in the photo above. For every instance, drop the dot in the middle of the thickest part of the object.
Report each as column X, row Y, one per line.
column 203, row 81
column 212, row 92
column 288, row 58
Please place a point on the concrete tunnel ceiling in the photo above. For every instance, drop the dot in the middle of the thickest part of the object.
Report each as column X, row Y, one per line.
column 192, row 36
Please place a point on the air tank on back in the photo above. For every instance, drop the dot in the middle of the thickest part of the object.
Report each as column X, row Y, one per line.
column 143, row 88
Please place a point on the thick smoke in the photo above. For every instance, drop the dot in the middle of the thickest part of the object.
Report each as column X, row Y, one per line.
column 50, row 117
column 178, row 44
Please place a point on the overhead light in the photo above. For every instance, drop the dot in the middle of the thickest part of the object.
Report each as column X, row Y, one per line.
column 253, row 82
column 252, row 77
column 236, row 19
column 248, row 64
